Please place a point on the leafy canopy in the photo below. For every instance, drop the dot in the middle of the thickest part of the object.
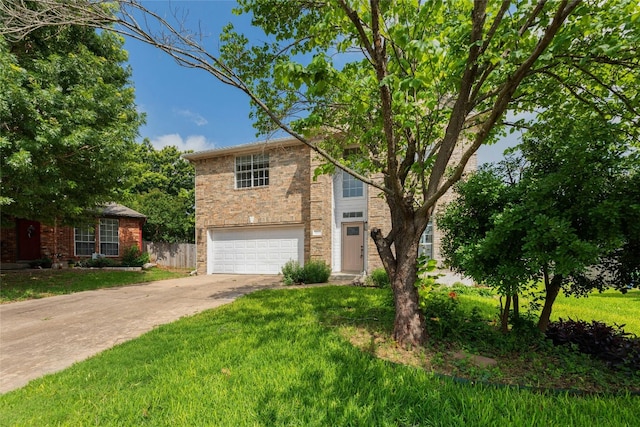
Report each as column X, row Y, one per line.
column 67, row 122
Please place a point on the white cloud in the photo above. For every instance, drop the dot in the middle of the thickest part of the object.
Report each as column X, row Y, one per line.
column 193, row 117
column 192, row 142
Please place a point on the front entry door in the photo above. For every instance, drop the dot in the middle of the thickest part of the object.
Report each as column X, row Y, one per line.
column 28, row 240
column 353, row 247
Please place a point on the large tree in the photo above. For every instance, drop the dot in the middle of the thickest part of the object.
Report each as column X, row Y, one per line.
column 407, row 82
column 563, row 212
column 162, row 188
column 67, row 122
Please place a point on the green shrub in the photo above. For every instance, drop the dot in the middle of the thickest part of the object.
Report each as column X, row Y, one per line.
column 316, row 272
column 133, row 257
column 41, row 263
column 292, row 272
column 312, row 272
column 379, row 278
column 99, row 262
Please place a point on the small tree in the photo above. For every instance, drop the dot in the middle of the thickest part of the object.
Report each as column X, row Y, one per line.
column 563, row 221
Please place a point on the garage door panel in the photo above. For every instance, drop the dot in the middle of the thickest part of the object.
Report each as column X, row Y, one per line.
column 254, row 250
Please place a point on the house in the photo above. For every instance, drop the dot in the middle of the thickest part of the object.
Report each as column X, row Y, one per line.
column 116, row 228
column 259, row 206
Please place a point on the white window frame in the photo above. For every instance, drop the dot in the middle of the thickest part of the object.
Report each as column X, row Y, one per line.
column 84, row 235
column 109, row 237
column 426, row 241
column 252, row 171
column 351, row 186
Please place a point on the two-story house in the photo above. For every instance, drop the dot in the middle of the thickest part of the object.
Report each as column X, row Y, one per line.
column 259, row 206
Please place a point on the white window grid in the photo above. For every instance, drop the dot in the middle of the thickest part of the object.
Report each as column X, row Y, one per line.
column 352, row 215
column 252, row 171
column 109, row 237
column 426, row 241
column 351, row 187
column 85, row 241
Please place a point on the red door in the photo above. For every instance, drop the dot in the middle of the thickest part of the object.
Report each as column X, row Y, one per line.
column 28, row 240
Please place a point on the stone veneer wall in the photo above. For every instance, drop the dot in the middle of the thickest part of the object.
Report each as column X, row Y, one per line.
column 284, row 201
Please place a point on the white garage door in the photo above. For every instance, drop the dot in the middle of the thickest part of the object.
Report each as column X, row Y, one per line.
column 254, row 250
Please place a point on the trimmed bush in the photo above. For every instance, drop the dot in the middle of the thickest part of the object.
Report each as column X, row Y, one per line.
column 292, row 272
column 134, row 257
column 316, row 272
column 312, row 272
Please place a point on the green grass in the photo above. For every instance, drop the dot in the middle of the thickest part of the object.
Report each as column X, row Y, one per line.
column 612, row 307
column 30, row 284
column 279, row 358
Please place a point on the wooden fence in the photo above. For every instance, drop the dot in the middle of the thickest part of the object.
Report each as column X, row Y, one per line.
column 176, row 255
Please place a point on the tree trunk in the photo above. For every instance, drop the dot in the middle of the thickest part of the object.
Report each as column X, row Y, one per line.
column 552, row 288
column 504, row 316
column 399, row 255
column 409, row 327
column 516, row 306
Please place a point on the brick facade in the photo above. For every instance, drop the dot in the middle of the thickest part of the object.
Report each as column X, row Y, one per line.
column 61, row 240
column 293, row 197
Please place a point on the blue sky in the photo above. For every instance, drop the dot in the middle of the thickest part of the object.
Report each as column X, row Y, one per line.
column 189, row 108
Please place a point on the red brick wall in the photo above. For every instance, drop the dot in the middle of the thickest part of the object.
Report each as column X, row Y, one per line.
column 60, row 240
column 8, row 244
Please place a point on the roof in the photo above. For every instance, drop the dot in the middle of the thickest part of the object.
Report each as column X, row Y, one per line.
column 114, row 209
column 237, row 149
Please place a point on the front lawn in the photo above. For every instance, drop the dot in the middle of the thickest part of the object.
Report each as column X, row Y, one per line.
column 29, row 284
column 284, row 357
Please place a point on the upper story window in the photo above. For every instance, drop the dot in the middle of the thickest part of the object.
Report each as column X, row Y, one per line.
column 351, row 187
column 252, row 171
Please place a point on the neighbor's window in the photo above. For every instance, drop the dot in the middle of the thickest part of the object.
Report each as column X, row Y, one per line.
column 252, row 171
column 426, row 241
column 351, row 187
column 109, row 237
column 85, row 241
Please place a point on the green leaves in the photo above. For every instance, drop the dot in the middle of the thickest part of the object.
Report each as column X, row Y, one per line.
column 67, row 122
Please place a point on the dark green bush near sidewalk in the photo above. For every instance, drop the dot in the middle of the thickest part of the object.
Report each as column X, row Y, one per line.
column 312, row 272
column 134, row 257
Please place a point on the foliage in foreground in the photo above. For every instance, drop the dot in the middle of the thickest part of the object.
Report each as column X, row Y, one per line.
column 611, row 344
column 68, row 122
column 279, row 358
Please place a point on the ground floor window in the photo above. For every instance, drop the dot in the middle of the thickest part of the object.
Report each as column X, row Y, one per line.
column 85, row 241
column 109, row 237
column 426, row 241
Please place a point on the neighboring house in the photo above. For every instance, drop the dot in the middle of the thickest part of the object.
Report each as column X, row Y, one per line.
column 116, row 228
column 258, row 206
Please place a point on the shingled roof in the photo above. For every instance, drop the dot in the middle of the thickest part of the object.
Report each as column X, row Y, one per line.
column 114, row 209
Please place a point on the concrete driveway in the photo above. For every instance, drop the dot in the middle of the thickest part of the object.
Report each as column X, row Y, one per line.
column 42, row 336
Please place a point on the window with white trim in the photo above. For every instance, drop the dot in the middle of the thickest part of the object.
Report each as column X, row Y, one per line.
column 252, row 171
column 85, row 241
column 109, row 237
column 426, row 241
column 351, row 187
